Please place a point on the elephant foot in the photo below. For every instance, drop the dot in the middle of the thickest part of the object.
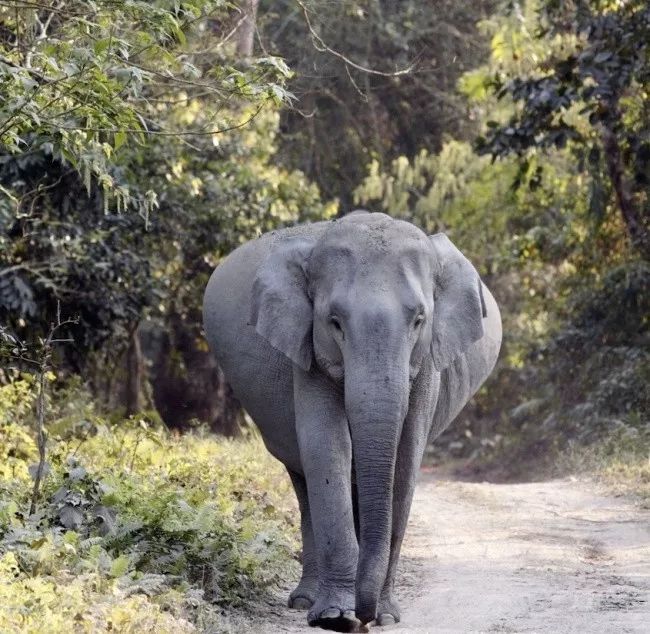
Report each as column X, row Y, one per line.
column 334, row 610
column 304, row 594
column 388, row 612
column 335, row 619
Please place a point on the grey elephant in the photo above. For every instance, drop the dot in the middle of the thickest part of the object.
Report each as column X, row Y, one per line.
column 351, row 343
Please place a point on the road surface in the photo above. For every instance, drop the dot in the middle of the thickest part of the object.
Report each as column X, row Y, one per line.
column 557, row 557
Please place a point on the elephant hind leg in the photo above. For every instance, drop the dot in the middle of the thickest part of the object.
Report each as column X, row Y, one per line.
column 304, row 594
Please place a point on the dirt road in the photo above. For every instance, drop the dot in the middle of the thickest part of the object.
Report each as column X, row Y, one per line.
column 554, row 557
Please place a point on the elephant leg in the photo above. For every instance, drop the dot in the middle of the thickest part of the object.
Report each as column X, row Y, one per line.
column 409, row 458
column 355, row 504
column 326, row 456
column 304, row 594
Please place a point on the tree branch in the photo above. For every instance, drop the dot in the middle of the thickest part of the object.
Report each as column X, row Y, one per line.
column 319, row 42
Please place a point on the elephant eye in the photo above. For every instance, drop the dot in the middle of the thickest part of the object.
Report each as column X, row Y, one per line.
column 336, row 324
column 419, row 320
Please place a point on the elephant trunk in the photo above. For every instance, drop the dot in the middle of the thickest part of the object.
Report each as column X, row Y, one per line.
column 376, row 397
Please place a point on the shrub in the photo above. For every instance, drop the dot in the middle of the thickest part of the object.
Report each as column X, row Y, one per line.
column 137, row 530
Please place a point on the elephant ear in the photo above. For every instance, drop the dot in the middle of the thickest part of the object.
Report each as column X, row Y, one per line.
column 458, row 306
column 281, row 310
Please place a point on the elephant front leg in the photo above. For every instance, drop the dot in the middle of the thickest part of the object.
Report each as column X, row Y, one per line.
column 409, row 458
column 304, row 594
column 326, row 456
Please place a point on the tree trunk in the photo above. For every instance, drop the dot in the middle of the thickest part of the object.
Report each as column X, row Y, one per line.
column 636, row 227
column 226, row 420
column 246, row 31
column 134, row 372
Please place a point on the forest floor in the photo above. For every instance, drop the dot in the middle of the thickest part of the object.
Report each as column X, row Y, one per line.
column 560, row 557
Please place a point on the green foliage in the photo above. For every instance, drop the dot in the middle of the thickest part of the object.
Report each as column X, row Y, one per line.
column 136, row 150
column 139, row 531
column 621, row 463
column 119, row 107
column 590, row 93
column 604, row 369
column 16, row 399
column 83, row 77
column 344, row 117
column 498, row 225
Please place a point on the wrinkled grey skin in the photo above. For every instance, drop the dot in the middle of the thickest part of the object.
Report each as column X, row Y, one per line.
column 350, row 343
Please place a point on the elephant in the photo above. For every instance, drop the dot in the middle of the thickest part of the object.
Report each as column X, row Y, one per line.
column 351, row 343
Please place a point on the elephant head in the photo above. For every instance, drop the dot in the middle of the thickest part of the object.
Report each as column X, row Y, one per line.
column 366, row 304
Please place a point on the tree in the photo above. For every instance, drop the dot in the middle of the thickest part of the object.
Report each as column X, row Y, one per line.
column 246, row 28
column 373, row 80
column 591, row 93
column 127, row 170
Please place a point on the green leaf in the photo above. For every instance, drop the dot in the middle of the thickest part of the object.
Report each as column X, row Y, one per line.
column 120, row 566
column 101, row 46
column 119, row 139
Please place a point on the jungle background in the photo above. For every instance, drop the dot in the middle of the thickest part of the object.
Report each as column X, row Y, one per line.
column 140, row 142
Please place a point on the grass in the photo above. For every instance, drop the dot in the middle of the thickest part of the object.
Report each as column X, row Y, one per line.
column 137, row 530
column 623, row 467
column 630, row 476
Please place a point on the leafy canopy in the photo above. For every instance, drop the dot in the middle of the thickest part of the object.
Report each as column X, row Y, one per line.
column 590, row 91
column 81, row 78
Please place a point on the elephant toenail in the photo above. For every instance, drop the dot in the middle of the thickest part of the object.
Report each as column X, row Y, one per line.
column 385, row 619
column 300, row 603
column 330, row 613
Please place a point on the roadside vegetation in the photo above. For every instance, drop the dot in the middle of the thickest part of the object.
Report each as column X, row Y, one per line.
column 135, row 529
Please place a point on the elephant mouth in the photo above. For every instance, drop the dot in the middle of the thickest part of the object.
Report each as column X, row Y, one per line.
column 335, row 371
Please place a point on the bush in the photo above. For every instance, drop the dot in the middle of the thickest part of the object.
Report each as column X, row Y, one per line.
column 137, row 530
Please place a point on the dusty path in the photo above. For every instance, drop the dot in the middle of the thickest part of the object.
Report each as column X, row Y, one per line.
column 553, row 557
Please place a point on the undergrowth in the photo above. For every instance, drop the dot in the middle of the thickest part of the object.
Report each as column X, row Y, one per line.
column 580, row 403
column 136, row 530
column 621, row 463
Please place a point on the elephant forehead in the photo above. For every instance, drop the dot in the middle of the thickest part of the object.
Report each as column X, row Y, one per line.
column 372, row 238
column 401, row 269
